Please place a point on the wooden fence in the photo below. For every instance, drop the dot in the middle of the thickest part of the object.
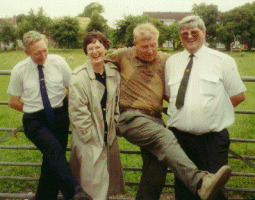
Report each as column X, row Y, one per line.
column 248, row 160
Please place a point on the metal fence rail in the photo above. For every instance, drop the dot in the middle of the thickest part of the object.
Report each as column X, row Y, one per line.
column 247, row 159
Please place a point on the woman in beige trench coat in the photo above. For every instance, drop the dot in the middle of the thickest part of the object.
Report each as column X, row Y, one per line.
column 94, row 110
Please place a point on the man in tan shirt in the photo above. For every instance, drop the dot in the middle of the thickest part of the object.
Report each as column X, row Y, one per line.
column 142, row 91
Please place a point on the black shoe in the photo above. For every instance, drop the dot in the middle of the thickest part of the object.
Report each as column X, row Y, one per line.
column 80, row 194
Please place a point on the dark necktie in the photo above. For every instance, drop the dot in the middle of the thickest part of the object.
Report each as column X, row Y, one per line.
column 46, row 102
column 184, row 83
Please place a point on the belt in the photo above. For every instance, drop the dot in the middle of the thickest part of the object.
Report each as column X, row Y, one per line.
column 146, row 112
column 175, row 130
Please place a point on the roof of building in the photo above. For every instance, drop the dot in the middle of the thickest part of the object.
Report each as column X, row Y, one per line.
column 177, row 16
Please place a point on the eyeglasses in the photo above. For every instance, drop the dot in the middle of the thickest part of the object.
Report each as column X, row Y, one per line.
column 194, row 34
column 97, row 48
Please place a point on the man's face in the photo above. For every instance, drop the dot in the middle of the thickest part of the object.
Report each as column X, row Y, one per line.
column 192, row 39
column 38, row 52
column 147, row 48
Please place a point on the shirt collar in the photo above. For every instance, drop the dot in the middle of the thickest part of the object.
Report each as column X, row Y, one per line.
column 34, row 65
column 198, row 54
column 109, row 71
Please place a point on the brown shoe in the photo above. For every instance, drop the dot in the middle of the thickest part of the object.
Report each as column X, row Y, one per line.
column 211, row 183
column 80, row 194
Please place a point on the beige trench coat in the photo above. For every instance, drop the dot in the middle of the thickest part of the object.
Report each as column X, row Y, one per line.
column 93, row 163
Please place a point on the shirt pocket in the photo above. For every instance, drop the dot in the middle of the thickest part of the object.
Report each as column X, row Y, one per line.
column 209, row 84
column 174, row 87
column 30, row 87
column 56, row 82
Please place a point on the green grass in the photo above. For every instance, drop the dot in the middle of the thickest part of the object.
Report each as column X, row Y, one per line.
column 244, row 127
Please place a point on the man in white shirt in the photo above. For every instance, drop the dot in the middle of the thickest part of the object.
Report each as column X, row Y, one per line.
column 142, row 70
column 40, row 81
column 200, row 114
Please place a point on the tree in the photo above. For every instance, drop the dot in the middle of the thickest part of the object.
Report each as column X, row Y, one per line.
column 65, row 32
column 225, row 34
column 38, row 22
column 173, row 35
column 124, row 29
column 97, row 23
column 20, row 17
column 118, row 36
column 8, row 33
column 241, row 23
column 92, row 8
column 209, row 13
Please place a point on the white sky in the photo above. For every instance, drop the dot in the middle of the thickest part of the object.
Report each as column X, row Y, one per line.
column 114, row 9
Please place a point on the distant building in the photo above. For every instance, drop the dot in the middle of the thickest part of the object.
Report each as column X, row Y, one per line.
column 167, row 18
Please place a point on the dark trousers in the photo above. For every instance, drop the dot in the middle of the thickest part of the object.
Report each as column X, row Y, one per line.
column 153, row 177
column 208, row 151
column 51, row 140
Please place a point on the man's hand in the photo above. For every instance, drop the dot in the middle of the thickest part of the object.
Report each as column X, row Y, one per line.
column 15, row 103
column 237, row 99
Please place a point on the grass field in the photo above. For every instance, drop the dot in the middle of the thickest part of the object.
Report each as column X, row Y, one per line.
column 244, row 127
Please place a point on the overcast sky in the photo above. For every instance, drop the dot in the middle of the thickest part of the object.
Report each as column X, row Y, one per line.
column 114, row 9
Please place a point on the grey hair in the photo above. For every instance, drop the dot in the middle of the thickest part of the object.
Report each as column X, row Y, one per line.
column 31, row 37
column 141, row 31
column 191, row 22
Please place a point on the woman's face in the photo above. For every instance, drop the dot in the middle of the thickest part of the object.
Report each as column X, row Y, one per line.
column 96, row 52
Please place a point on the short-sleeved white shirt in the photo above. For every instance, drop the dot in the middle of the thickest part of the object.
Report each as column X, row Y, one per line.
column 24, row 82
column 213, row 80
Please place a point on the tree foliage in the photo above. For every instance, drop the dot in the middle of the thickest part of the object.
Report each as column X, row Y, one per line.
column 65, row 32
column 97, row 23
column 118, row 35
column 38, row 22
column 8, row 33
column 237, row 24
column 209, row 13
column 240, row 22
column 173, row 35
column 20, row 17
column 92, row 8
column 225, row 35
column 123, row 34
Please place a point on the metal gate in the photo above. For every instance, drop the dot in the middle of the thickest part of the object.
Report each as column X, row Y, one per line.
column 248, row 160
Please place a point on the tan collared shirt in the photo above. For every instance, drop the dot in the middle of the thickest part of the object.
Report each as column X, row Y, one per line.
column 142, row 83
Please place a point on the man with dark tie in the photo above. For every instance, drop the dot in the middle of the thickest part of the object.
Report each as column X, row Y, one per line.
column 142, row 70
column 204, row 86
column 39, row 88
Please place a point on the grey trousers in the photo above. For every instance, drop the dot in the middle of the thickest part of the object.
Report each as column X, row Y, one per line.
column 149, row 133
column 153, row 177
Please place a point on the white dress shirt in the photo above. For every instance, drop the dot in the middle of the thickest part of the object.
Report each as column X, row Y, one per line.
column 24, row 82
column 213, row 80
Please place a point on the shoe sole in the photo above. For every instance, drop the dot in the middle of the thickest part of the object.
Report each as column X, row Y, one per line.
column 221, row 178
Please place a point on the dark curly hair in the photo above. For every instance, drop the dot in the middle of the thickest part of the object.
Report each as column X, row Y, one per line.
column 92, row 37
